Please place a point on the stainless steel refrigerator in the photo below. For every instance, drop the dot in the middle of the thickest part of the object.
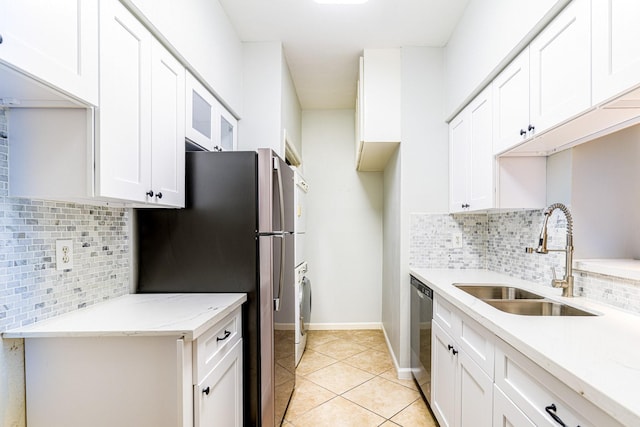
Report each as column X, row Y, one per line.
column 235, row 235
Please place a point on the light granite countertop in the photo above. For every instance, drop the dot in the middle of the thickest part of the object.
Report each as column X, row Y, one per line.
column 597, row 356
column 188, row 315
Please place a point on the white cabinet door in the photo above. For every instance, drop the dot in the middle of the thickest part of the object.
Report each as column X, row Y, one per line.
column 53, row 41
column 218, row 398
column 505, row 413
column 459, row 136
column 616, row 47
column 124, row 119
column 168, row 127
column 481, row 161
column 471, row 156
column 443, row 374
column 511, row 104
column 475, row 394
column 560, row 67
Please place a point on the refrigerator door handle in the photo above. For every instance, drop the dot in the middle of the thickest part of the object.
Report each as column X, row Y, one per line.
column 276, row 300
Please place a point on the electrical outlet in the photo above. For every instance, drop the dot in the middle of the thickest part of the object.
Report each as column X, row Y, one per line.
column 456, row 240
column 64, row 255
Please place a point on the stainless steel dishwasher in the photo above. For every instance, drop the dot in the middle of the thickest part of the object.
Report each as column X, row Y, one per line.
column 421, row 316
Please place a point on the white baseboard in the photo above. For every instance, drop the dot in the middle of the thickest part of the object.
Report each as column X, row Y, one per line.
column 401, row 373
column 343, row 326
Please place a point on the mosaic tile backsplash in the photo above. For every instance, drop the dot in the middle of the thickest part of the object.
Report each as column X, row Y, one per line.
column 497, row 242
column 31, row 288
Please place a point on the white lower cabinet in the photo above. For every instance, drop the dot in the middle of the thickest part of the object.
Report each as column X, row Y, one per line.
column 479, row 380
column 506, row 413
column 136, row 380
column 461, row 390
column 541, row 397
column 218, row 398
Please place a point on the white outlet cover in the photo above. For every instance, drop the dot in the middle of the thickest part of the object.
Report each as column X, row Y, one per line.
column 456, row 240
column 64, row 255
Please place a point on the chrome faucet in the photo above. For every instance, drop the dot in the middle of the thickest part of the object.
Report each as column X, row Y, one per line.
column 566, row 283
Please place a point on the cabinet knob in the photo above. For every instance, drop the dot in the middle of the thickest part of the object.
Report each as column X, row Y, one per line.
column 150, row 193
column 206, row 391
column 455, row 351
column 531, row 127
column 465, row 205
column 159, row 195
column 523, row 132
column 0, row 38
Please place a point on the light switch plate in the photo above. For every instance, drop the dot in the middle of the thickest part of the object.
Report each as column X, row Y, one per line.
column 64, row 255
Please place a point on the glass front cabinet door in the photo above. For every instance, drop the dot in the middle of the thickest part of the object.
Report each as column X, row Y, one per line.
column 209, row 124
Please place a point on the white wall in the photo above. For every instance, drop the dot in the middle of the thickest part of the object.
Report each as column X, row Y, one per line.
column 260, row 126
column 291, row 112
column 344, row 226
column 202, row 33
column 605, row 201
column 489, row 34
column 270, row 100
column 415, row 180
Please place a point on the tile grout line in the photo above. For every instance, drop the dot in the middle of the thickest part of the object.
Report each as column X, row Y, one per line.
column 368, row 347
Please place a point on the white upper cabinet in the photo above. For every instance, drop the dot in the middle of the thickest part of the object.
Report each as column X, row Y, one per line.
column 471, row 156
column 140, row 132
column 378, row 126
column 477, row 180
column 560, row 67
column 54, row 42
column 167, row 127
column 209, row 124
column 548, row 83
column 511, row 104
column 459, row 137
column 124, row 119
column 616, row 47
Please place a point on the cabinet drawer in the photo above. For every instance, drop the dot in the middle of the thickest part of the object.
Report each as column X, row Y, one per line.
column 475, row 340
column 533, row 390
column 445, row 314
column 478, row 343
column 212, row 346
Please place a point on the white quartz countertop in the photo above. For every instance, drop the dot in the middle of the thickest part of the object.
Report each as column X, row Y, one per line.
column 597, row 356
column 188, row 315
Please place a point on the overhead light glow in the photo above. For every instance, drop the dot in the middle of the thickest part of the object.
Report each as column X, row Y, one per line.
column 341, row 1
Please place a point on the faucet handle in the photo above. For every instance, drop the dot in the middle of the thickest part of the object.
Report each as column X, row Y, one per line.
column 553, row 271
column 529, row 250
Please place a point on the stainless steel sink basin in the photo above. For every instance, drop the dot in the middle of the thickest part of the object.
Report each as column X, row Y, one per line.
column 519, row 301
column 537, row 308
column 497, row 292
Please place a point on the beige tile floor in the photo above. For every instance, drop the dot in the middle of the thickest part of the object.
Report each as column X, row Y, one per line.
column 347, row 378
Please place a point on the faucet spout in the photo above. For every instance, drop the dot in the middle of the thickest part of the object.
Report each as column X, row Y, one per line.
column 566, row 283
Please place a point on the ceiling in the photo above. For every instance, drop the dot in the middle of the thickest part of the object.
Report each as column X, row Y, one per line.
column 322, row 43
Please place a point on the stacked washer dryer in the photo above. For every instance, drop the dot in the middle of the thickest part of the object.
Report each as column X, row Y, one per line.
column 303, row 285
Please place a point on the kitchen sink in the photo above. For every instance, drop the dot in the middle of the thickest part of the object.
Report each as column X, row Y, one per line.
column 519, row 301
column 497, row 292
column 537, row 308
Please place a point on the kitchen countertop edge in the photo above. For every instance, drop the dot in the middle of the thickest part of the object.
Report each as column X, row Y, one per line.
column 209, row 310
